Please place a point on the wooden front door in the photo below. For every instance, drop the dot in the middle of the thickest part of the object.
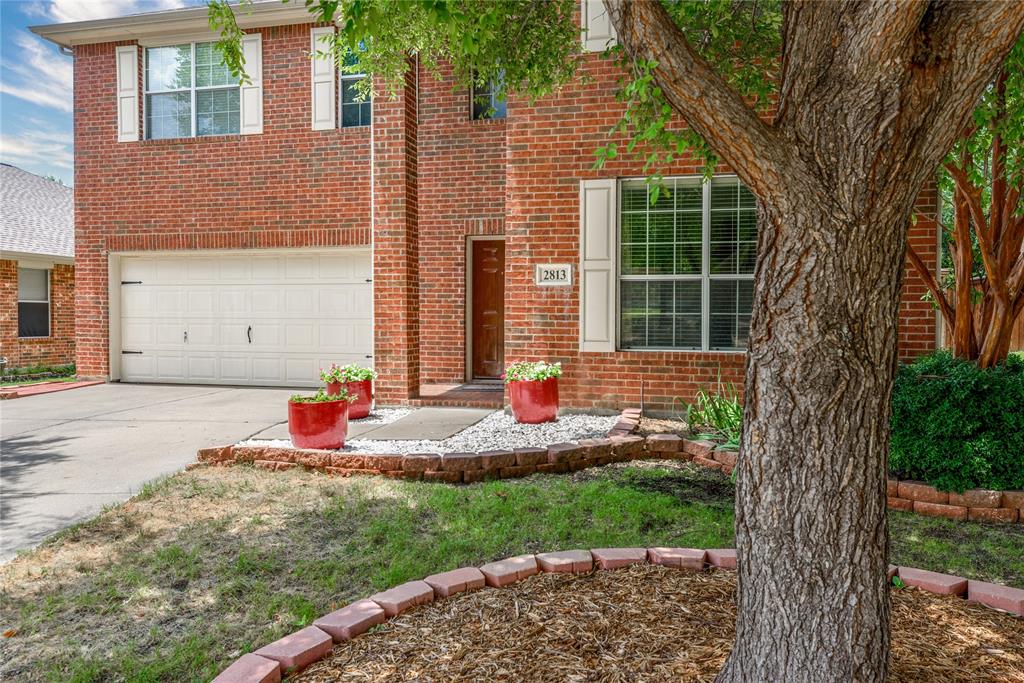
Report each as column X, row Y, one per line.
column 488, row 308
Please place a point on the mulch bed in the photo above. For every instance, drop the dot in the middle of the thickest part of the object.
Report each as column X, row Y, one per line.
column 644, row 623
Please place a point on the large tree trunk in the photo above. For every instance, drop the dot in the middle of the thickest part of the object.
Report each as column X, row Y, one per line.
column 871, row 97
column 810, row 500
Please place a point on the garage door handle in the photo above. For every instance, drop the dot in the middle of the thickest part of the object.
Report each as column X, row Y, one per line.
column 248, row 333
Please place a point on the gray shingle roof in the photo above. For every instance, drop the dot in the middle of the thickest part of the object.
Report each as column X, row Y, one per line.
column 37, row 216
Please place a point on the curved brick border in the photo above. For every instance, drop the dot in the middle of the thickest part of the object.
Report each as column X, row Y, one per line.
column 302, row 648
column 977, row 505
column 620, row 445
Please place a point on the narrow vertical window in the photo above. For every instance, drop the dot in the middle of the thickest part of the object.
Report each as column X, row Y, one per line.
column 33, row 302
column 488, row 100
column 356, row 110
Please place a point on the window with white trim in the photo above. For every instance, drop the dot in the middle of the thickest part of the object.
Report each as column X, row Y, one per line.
column 488, row 101
column 686, row 264
column 355, row 110
column 33, row 302
column 189, row 92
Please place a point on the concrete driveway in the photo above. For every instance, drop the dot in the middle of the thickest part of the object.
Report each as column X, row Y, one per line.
column 65, row 455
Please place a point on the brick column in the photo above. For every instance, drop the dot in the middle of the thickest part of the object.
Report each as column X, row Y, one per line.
column 395, row 247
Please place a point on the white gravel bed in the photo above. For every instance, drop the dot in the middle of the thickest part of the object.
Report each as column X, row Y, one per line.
column 497, row 431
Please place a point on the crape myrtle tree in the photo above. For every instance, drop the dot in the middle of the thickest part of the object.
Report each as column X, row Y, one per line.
column 982, row 180
column 866, row 99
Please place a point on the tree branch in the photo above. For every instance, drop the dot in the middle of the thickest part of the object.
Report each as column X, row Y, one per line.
column 696, row 91
column 933, row 286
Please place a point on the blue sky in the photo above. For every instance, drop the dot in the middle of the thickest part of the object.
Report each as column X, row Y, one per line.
column 36, row 126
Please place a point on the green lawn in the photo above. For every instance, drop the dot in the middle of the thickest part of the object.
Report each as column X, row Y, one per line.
column 208, row 564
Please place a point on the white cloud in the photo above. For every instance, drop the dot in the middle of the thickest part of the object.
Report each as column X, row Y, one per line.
column 38, row 74
column 41, row 148
column 84, row 10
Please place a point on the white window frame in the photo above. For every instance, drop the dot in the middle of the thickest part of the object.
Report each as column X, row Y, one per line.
column 705, row 277
column 48, row 302
column 342, row 79
column 192, row 90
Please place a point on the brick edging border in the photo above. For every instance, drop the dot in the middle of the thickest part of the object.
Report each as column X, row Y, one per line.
column 621, row 444
column 300, row 649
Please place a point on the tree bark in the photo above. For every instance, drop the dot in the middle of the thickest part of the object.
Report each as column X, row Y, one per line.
column 872, row 95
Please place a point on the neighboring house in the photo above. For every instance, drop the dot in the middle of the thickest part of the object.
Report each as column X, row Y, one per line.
column 37, row 270
column 252, row 234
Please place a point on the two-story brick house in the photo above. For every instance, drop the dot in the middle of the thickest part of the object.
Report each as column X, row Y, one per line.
column 252, row 234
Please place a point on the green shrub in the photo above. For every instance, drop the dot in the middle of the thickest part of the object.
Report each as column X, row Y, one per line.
column 536, row 371
column 322, row 396
column 956, row 426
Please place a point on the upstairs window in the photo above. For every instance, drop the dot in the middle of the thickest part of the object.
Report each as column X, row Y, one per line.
column 189, row 93
column 488, row 101
column 33, row 302
column 355, row 110
column 686, row 265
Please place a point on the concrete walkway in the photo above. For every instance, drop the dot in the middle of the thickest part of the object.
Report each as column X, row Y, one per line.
column 419, row 425
column 63, row 456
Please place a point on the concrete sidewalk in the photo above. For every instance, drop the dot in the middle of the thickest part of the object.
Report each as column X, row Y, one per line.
column 63, row 456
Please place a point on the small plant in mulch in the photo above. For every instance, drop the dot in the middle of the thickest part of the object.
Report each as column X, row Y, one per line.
column 716, row 416
column 322, row 396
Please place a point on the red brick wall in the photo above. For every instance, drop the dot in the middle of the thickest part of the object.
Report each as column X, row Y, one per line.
column 462, row 193
column 59, row 347
column 437, row 177
column 550, row 149
column 289, row 187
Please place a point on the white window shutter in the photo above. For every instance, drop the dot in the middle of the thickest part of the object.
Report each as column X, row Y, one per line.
column 251, row 96
column 323, row 81
column 127, row 93
column 598, row 230
column 598, row 32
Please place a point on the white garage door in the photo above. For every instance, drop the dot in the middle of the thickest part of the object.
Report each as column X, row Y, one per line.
column 264, row 318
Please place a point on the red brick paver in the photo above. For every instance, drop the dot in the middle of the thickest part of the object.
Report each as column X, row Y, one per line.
column 460, row 580
column 396, row 600
column 614, row 558
column 723, row 558
column 351, row 620
column 509, row 570
column 918, row 490
column 933, row 582
column 994, row 595
column 682, row 558
column 567, row 561
column 531, row 457
column 251, row 668
column 298, row 649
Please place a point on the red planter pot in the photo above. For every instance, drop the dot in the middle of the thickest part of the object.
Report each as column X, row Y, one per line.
column 535, row 401
column 318, row 425
column 362, row 390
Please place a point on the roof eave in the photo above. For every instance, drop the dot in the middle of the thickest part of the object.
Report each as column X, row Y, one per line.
column 154, row 24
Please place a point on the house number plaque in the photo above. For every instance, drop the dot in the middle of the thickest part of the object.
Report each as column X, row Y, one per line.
column 553, row 274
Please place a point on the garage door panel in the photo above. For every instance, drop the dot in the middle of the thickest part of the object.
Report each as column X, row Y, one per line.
column 136, row 301
column 202, row 368
column 235, row 368
column 170, row 366
column 202, row 269
column 261, row 318
column 202, row 334
column 300, row 337
column 234, row 301
column 167, row 270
